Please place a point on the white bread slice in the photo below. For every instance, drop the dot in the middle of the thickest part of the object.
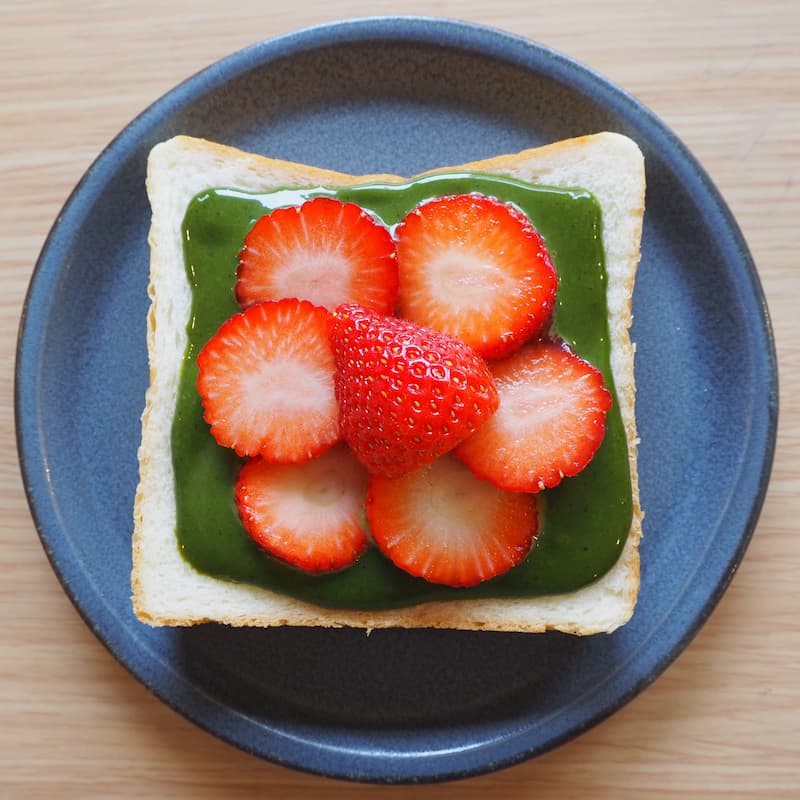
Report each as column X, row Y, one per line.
column 167, row 590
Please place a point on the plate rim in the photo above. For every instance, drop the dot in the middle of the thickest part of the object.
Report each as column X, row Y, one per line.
column 463, row 36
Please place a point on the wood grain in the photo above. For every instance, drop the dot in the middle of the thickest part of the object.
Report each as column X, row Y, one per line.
column 724, row 720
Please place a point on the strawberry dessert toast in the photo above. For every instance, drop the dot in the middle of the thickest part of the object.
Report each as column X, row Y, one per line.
column 382, row 402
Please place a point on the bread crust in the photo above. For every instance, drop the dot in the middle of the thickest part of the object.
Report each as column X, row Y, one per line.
column 167, row 590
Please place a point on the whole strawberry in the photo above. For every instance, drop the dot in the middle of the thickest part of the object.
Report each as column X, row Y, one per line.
column 406, row 394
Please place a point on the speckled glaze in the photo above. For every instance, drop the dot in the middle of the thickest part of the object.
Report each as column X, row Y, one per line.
column 400, row 95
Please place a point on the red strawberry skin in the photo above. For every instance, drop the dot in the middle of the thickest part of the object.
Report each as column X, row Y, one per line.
column 266, row 382
column 307, row 515
column 406, row 394
column 324, row 251
column 476, row 269
column 550, row 423
column 443, row 524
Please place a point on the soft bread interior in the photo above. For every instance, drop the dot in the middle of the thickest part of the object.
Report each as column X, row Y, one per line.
column 166, row 589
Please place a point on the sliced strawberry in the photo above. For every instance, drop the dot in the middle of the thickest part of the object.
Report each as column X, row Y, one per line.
column 406, row 394
column 324, row 251
column 550, row 422
column 308, row 515
column 475, row 268
column 443, row 524
column 266, row 382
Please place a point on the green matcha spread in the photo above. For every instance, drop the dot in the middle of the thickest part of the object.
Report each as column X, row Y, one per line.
column 583, row 522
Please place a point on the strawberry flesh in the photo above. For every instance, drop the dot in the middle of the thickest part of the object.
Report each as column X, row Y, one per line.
column 406, row 394
column 443, row 524
column 266, row 382
column 550, row 423
column 444, row 452
column 476, row 269
column 307, row 515
column 324, row 251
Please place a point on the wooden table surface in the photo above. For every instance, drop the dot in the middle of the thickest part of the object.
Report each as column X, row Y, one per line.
column 725, row 717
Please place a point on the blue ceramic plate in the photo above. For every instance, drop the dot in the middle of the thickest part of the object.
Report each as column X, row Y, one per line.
column 400, row 95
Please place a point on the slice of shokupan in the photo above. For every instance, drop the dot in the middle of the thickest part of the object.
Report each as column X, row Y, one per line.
column 167, row 590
